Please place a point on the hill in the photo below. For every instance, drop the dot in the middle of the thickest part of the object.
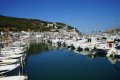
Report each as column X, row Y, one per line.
column 20, row 24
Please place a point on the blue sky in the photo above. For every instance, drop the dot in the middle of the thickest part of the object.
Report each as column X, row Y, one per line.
column 86, row 15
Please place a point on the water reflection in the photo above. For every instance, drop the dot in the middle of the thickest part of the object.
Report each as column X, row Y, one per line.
column 117, row 66
column 58, row 62
column 112, row 60
column 38, row 47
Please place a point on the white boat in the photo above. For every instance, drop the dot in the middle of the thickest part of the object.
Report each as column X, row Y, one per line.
column 15, row 56
column 14, row 78
column 8, row 68
column 13, row 50
column 8, row 61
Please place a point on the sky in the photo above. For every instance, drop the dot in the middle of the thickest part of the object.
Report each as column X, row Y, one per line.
column 85, row 15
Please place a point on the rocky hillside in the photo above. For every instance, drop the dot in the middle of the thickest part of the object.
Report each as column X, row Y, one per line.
column 19, row 24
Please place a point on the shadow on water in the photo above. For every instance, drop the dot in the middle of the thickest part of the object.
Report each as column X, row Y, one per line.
column 36, row 48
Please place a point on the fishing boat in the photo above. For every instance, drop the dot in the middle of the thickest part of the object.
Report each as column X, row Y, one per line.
column 104, row 46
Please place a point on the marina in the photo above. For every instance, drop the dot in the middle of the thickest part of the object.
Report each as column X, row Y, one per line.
column 59, row 39
column 49, row 56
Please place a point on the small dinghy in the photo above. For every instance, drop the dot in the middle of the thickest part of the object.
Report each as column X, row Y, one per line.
column 8, row 61
column 14, row 78
column 8, row 68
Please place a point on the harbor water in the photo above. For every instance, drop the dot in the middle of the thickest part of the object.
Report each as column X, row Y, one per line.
column 48, row 63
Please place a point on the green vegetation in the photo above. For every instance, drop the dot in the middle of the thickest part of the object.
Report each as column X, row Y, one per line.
column 24, row 24
column 38, row 48
column 19, row 24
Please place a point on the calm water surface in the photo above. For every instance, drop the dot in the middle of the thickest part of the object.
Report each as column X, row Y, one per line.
column 45, row 63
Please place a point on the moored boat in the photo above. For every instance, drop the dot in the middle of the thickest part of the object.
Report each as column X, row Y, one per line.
column 8, row 61
column 20, row 77
column 7, row 68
